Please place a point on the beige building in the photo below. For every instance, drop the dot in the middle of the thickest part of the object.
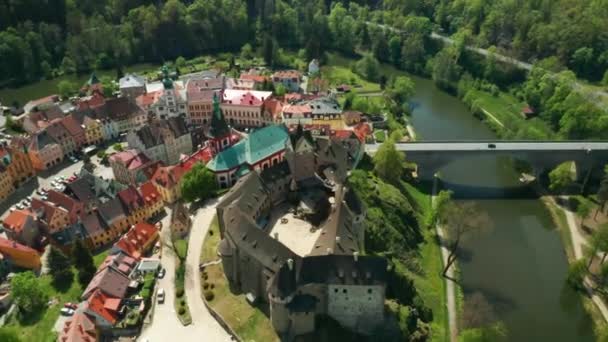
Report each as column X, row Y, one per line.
column 6, row 183
column 244, row 108
column 44, row 152
column 93, row 130
column 200, row 93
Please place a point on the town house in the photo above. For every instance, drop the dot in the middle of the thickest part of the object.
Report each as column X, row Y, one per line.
column 200, row 94
column 134, row 205
column 128, row 166
column 44, row 152
column 61, row 136
column 243, row 108
column 164, row 140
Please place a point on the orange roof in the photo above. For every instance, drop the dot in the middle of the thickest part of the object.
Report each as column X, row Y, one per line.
column 16, row 220
column 342, row 133
column 136, row 239
column 97, row 304
column 21, row 255
column 148, row 99
column 275, row 107
column 149, row 193
column 169, row 176
column 78, row 328
column 255, row 78
column 287, row 74
column 362, row 130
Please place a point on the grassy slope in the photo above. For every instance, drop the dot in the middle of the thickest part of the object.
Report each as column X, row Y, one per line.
column 40, row 329
column 430, row 286
column 249, row 323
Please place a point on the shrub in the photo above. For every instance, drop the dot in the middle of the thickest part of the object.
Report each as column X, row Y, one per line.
column 179, row 292
column 205, row 276
column 182, row 303
column 209, row 296
column 145, row 293
column 211, row 233
column 206, row 285
column 212, row 286
column 181, row 311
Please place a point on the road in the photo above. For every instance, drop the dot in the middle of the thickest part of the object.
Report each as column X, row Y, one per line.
column 591, row 95
column 464, row 146
column 165, row 325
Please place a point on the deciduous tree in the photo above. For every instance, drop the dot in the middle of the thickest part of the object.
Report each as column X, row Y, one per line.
column 561, row 177
column 28, row 292
column 459, row 220
column 389, row 163
column 198, row 184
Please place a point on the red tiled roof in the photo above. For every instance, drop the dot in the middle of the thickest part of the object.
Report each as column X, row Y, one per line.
column 255, row 78
column 131, row 158
column 47, row 209
column 149, row 192
column 78, row 328
column 16, row 220
column 203, row 155
column 287, row 74
column 169, row 176
column 148, row 99
column 94, row 101
column 136, row 239
column 297, row 109
column 62, row 200
column 362, row 130
column 275, row 107
column 131, row 198
column 110, row 281
column 72, row 126
column 96, row 303
column 121, row 261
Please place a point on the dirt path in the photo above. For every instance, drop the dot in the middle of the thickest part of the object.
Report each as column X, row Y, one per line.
column 578, row 242
column 491, row 116
column 450, row 289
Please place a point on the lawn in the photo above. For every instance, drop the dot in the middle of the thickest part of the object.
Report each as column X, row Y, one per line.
column 40, row 329
column 380, row 135
column 247, row 321
column 337, row 71
column 506, row 109
column 100, row 257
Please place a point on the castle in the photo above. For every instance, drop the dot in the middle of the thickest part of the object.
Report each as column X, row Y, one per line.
column 293, row 237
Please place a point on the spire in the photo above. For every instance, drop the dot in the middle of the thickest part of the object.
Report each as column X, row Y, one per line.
column 166, row 77
column 218, row 127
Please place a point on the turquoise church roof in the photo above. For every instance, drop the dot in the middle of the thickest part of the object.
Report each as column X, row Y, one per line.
column 259, row 145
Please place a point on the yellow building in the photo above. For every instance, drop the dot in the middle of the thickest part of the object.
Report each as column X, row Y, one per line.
column 167, row 180
column 6, row 183
column 93, row 131
column 153, row 200
column 17, row 160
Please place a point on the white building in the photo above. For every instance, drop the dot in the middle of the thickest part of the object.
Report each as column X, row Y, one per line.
column 245, row 108
column 132, row 86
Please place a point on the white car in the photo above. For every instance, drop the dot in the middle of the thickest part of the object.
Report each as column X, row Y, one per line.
column 67, row 311
column 160, row 296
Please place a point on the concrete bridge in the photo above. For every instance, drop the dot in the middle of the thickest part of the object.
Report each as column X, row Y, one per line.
column 430, row 156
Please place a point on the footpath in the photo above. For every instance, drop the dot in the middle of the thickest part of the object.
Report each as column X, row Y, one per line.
column 450, row 289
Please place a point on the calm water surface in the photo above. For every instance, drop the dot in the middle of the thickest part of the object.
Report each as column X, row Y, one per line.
column 519, row 265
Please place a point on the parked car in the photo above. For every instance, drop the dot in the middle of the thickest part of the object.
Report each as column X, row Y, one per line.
column 44, row 197
column 67, row 311
column 160, row 296
column 161, row 273
column 73, row 160
column 70, row 305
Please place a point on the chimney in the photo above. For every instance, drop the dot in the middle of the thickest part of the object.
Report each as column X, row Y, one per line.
column 276, row 235
column 356, row 256
column 290, row 264
column 337, row 240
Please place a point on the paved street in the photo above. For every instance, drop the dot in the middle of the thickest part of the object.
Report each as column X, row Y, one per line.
column 165, row 325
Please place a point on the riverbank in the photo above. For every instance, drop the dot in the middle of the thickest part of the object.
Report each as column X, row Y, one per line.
column 574, row 245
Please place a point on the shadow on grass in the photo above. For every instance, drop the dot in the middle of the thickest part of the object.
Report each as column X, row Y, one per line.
column 64, row 283
column 30, row 318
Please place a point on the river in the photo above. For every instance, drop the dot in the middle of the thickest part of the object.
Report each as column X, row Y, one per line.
column 519, row 264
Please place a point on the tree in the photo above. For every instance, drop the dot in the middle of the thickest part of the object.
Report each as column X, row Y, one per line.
column 368, row 67
column 561, row 177
column 598, row 244
column 577, row 271
column 109, row 86
column 459, row 220
column 28, row 292
column 605, row 79
column 13, row 125
column 584, row 209
column 180, row 62
column 496, row 332
column 602, row 196
column 401, row 90
column 118, row 147
column 445, row 69
column 477, row 311
column 394, row 46
column 83, row 261
column 198, row 184
column 67, row 65
column 389, row 163
column 280, row 90
column 247, row 51
column 59, row 268
column 66, row 89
